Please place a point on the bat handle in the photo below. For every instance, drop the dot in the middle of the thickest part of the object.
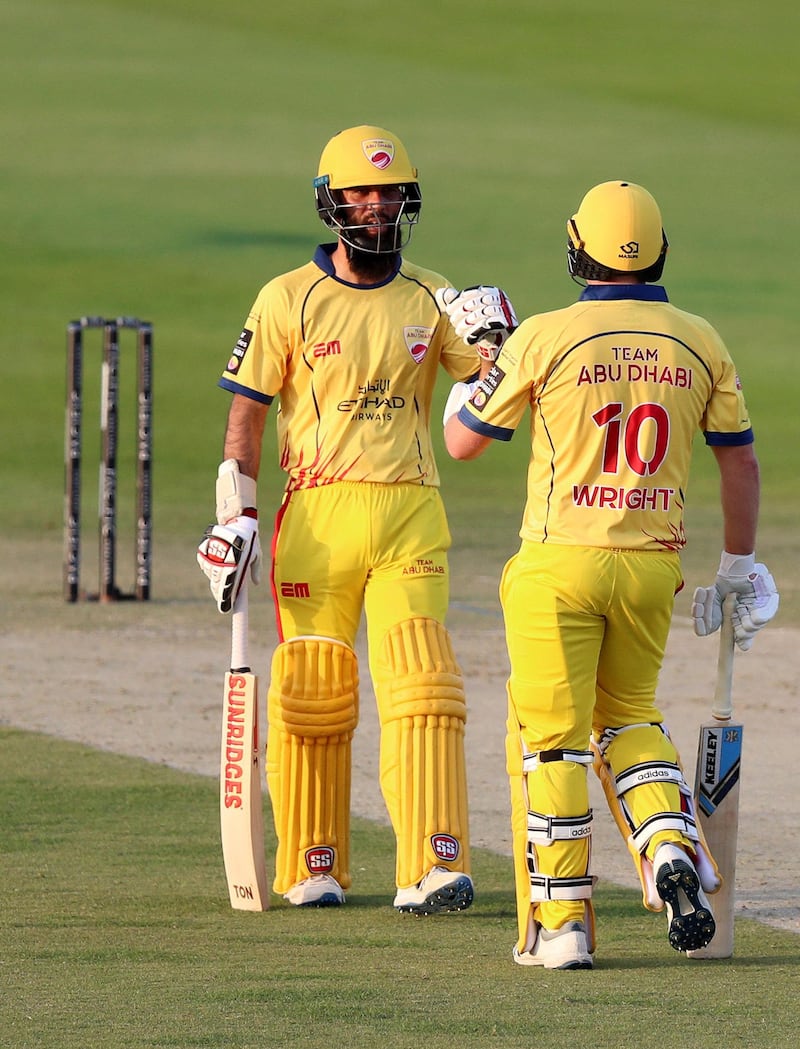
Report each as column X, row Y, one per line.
column 722, row 708
column 240, row 621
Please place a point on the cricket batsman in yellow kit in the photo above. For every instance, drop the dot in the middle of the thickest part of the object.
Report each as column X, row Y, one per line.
column 616, row 386
column 351, row 344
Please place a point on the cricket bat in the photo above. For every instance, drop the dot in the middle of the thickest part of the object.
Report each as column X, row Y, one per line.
column 240, row 793
column 716, row 790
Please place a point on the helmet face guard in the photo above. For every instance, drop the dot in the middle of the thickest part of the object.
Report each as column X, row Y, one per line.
column 361, row 157
column 616, row 232
column 392, row 233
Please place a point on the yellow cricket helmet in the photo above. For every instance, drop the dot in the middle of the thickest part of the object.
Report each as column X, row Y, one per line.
column 367, row 155
column 616, row 230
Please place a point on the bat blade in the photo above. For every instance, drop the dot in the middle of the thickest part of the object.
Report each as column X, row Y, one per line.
column 240, row 801
column 241, row 820
column 716, row 796
column 717, row 805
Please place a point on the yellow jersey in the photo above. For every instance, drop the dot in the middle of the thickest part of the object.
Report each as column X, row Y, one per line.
column 617, row 384
column 355, row 368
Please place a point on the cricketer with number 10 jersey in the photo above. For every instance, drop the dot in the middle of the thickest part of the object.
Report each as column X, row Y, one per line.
column 355, row 367
column 619, row 383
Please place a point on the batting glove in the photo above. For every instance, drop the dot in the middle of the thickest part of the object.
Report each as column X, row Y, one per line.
column 225, row 554
column 757, row 599
column 457, row 398
column 482, row 316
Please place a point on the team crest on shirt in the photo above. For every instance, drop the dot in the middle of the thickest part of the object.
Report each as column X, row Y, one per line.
column 417, row 341
column 378, row 151
column 239, row 350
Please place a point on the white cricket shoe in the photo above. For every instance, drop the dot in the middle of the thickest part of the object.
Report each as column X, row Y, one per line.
column 438, row 892
column 691, row 923
column 558, row 948
column 564, row 948
column 320, row 890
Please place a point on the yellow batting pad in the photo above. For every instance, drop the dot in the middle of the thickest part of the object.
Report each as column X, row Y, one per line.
column 418, row 659
column 420, row 694
column 312, row 712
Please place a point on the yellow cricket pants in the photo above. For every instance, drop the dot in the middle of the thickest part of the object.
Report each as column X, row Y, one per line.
column 586, row 630
column 349, row 547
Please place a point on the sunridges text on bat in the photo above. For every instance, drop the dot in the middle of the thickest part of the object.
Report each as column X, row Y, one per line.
column 241, row 816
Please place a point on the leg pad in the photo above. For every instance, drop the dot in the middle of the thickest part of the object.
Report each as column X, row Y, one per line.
column 312, row 712
column 642, row 779
column 422, row 709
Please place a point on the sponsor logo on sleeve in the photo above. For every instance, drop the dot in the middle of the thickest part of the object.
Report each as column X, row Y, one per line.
column 239, row 350
column 487, row 388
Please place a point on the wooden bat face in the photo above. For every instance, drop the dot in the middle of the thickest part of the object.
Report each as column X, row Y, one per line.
column 241, row 820
column 716, row 795
column 718, row 765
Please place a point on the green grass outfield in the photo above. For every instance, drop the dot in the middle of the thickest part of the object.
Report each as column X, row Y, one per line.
column 116, row 933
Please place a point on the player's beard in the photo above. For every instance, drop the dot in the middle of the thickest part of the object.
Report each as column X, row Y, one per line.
column 369, row 265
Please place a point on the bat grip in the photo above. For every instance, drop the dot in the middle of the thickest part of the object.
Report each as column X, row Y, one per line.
column 240, row 621
column 722, row 708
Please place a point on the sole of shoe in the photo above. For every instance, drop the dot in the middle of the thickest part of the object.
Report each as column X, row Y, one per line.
column 691, row 923
column 457, row 895
column 328, row 899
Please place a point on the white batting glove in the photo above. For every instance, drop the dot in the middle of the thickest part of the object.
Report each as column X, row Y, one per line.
column 457, row 398
column 757, row 599
column 482, row 316
column 225, row 554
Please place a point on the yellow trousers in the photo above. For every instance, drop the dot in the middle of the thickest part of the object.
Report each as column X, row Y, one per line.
column 586, row 630
column 345, row 548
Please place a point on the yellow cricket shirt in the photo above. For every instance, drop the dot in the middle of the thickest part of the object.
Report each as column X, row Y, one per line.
column 355, row 367
column 618, row 385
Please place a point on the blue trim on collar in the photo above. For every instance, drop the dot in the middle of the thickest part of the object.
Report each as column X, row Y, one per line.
column 612, row 292
column 322, row 258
